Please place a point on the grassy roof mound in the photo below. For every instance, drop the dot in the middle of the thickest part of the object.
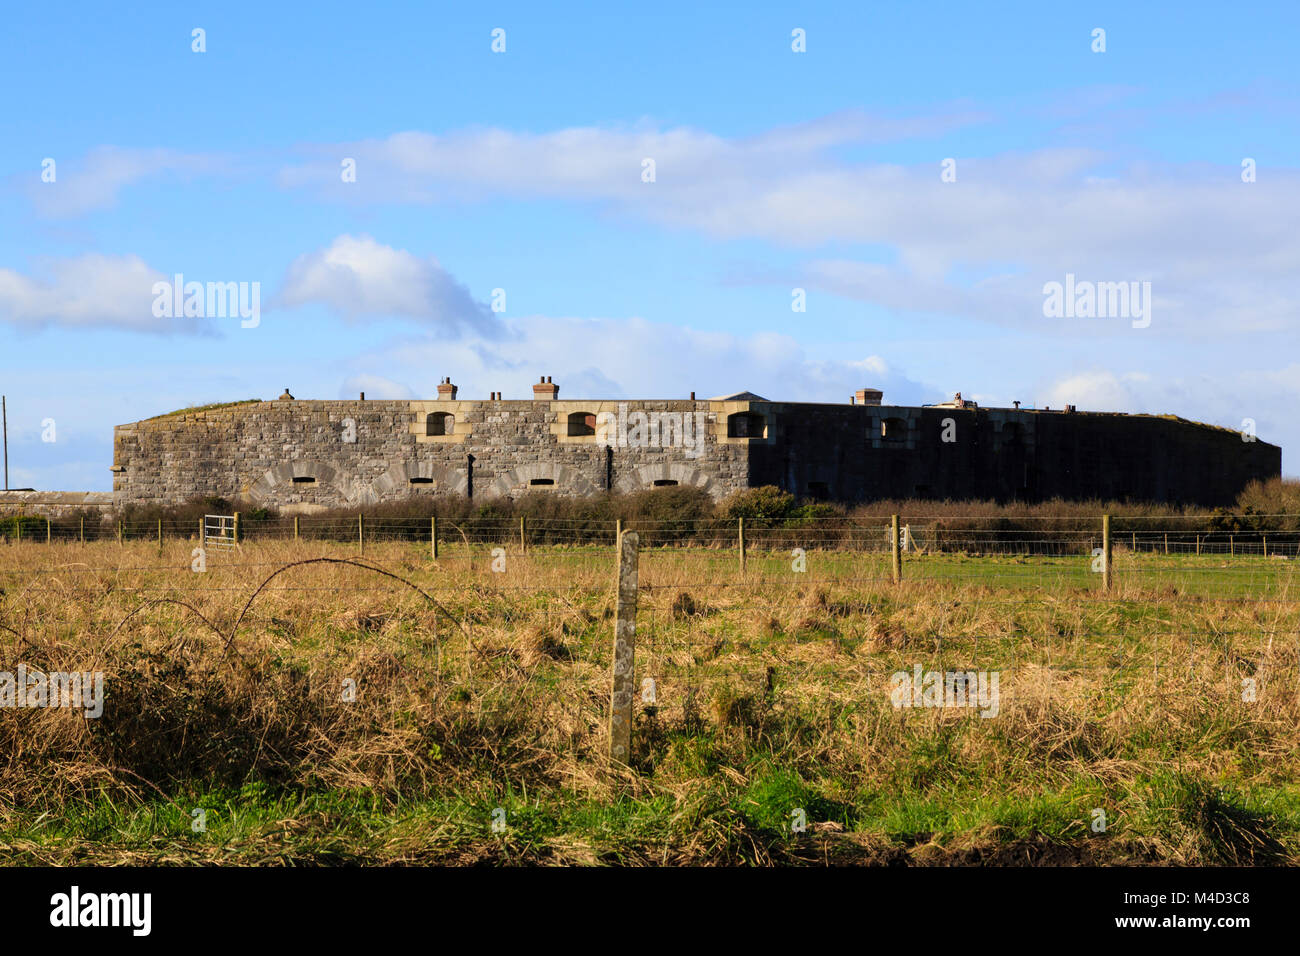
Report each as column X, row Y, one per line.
column 207, row 408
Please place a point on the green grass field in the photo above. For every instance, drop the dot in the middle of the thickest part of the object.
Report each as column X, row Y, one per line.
column 1166, row 708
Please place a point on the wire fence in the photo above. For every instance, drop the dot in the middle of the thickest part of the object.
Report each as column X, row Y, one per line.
column 1198, row 535
column 1077, row 555
column 730, row 644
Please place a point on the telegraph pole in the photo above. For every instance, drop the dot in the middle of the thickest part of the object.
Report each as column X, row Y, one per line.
column 4, row 413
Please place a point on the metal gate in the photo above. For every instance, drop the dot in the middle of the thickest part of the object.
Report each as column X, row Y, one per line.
column 219, row 531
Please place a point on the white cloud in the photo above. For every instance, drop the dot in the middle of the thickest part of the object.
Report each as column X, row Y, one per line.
column 633, row 358
column 1220, row 254
column 89, row 291
column 1226, row 400
column 593, row 163
column 361, row 278
column 375, row 386
column 1102, row 391
column 872, row 365
column 94, row 181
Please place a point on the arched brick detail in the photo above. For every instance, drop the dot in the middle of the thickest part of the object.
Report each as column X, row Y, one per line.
column 276, row 485
column 645, row 476
column 568, row 481
column 396, row 481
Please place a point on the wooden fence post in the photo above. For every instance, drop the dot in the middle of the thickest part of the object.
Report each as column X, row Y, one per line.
column 160, row 535
column 83, row 529
column 295, row 527
column 1198, row 544
column 1106, row 578
column 119, row 530
column 742, row 547
column 623, row 683
column 203, row 533
column 896, row 557
column 361, row 532
column 236, row 527
column 618, row 532
column 48, row 535
column 433, row 537
column 523, row 540
column 1232, row 545
column 1166, row 542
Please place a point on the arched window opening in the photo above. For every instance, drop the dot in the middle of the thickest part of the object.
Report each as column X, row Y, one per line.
column 582, row 423
column 440, row 423
column 746, row 425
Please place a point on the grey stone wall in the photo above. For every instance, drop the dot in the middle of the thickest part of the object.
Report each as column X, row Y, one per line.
column 360, row 452
column 839, row 451
column 53, row 504
column 307, row 455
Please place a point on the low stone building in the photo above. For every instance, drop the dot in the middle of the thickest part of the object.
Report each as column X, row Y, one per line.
column 303, row 455
column 53, row 504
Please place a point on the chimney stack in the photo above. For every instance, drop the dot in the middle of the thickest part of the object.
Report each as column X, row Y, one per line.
column 868, row 396
column 544, row 391
column 446, row 391
column 286, row 397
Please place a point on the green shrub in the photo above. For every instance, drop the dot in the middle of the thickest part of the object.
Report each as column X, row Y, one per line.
column 764, row 507
column 182, row 520
column 813, row 512
column 25, row 527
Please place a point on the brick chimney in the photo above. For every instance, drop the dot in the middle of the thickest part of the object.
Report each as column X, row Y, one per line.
column 544, row 391
column 868, row 396
column 446, row 391
column 286, row 397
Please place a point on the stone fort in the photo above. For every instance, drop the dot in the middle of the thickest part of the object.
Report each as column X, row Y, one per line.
column 303, row 456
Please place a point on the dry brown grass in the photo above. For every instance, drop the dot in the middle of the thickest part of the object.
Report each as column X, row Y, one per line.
column 471, row 683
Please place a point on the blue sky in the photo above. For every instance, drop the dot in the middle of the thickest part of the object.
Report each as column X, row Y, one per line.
column 522, row 171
